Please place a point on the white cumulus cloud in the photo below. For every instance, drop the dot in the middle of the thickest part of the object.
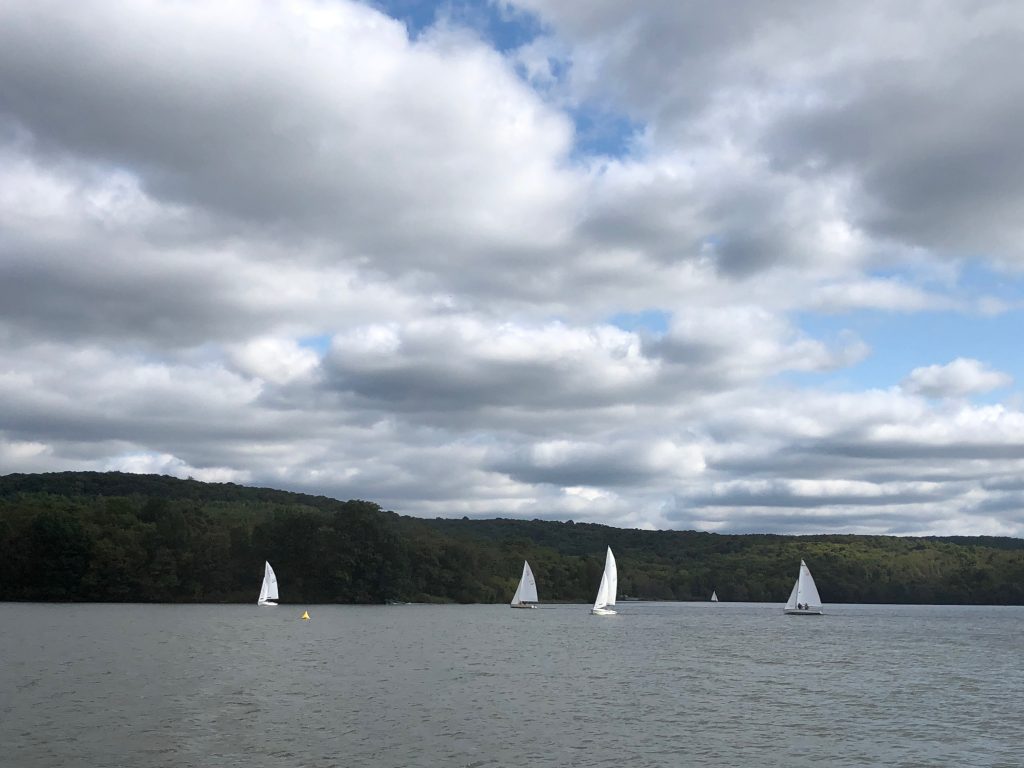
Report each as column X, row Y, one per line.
column 963, row 376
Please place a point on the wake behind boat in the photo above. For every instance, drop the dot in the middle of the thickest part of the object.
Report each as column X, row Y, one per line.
column 804, row 599
column 609, row 586
column 526, row 592
column 268, row 592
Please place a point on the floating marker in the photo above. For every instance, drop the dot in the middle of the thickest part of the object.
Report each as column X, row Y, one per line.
column 305, row 615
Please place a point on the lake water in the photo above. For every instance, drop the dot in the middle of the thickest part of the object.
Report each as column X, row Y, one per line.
column 661, row 684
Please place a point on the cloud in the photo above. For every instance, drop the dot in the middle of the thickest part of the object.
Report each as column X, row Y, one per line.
column 911, row 130
column 948, row 179
column 595, row 465
column 427, row 453
column 327, row 123
column 276, row 360
column 961, row 377
column 287, row 244
column 165, row 464
column 461, row 363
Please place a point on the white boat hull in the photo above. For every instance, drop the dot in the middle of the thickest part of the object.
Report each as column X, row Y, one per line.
column 803, row 611
column 522, row 605
column 602, row 612
column 267, row 605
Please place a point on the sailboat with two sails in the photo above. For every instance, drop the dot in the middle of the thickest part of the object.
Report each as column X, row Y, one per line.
column 268, row 592
column 804, row 599
column 526, row 592
column 609, row 587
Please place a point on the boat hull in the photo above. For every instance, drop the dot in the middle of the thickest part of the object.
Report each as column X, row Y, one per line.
column 602, row 612
column 803, row 612
column 267, row 605
column 522, row 605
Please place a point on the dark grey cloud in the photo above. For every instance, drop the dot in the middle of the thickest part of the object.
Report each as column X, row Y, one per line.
column 83, row 294
column 935, row 142
column 913, row 128
column 664, row 59
column 441, row 386
column 596, row 466
column 735, row 221
column 910, row 450
column 832, row 457
column 459, row 364
column 1003, row 483
column 781, row 494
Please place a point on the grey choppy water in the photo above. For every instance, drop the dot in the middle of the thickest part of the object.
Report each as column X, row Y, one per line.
column 662, row 684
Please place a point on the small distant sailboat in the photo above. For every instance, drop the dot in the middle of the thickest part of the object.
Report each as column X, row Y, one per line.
column 609, row 587
column 714, row 596
column 804, row 599
column 268, row 592
column 526, row 592
column 305, row 616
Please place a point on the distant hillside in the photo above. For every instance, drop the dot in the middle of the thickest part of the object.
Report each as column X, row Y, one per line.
column 123, row 537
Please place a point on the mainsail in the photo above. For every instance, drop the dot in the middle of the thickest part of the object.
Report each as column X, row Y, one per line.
column 609, row 582
column 526, row 592
column 268, row 592
column 612, row 570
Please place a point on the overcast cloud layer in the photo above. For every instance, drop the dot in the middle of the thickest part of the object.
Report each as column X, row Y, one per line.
column 300, row 244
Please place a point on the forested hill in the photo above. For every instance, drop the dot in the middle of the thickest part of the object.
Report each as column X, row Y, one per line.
column 123, row 537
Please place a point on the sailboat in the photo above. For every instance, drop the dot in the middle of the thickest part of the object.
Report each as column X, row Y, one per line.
column 268, row 592
column 804, row 599
column 609, row 586
column 526, row 592
column 714, row 596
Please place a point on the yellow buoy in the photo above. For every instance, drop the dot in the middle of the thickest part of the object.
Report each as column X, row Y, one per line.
column 305, row 615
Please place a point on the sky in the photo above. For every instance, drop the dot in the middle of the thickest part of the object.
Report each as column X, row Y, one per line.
column 734, row 267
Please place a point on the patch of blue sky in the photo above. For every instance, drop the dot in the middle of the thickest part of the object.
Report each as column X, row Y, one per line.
column 976, row 280
column 650, row 322
column 319, row 344
column 600, row 132
column 504, row 27
column 415, row 14
column 901, row 342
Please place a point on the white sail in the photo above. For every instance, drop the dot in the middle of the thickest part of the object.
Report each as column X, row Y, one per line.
column 268, row 592
column 602, row 592
column 606, row 593
column 612, row 570
column 526, row 592
column 791, row 603
column 805, row 592
column 714, row 596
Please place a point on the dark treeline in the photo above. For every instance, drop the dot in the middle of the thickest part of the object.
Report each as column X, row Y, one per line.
column 121, row 537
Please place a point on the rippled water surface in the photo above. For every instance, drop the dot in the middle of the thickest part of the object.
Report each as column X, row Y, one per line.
column 661, row 684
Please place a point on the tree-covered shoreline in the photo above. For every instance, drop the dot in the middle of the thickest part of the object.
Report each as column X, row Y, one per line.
column 116, row 537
